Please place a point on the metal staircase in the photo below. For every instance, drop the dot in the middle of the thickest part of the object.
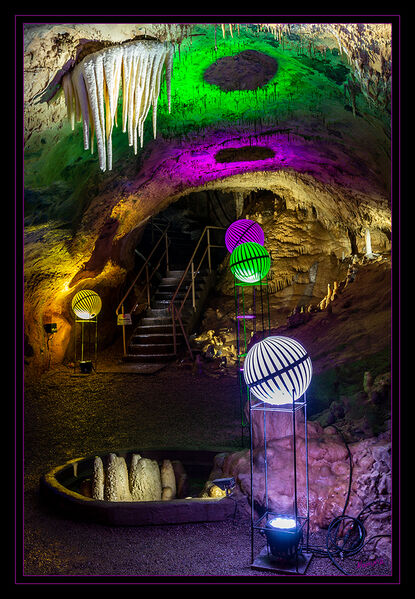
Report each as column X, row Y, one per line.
column 175, row 306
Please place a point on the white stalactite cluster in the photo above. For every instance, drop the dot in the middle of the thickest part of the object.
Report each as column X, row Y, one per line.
column 92, row 90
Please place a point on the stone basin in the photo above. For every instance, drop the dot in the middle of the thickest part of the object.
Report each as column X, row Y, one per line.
column 60, row 489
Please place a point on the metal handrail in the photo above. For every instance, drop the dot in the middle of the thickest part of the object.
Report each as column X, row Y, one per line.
column 176, row 312
column 148, row 279
column 145, row 266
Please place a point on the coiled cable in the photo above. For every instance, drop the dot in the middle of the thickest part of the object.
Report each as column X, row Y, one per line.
column 351, row 529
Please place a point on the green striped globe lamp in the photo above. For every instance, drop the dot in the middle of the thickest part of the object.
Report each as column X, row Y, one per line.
column 250, row 262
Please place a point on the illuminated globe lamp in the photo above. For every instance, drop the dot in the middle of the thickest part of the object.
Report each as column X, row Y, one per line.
column 86, row 305
column 250, row 262
column 242, row 231
column 278, row 371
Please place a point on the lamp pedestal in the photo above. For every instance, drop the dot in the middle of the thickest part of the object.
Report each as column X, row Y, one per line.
column 287, row 536
column 264, row 561
column 88, row 345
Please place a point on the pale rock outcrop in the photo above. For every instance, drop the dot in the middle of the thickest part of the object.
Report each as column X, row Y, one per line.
column 116, row 481
column 145, row 480
column 168, row 479
column 98, row 479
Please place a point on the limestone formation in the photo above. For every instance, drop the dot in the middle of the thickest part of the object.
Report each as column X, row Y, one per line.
column 182, row 482
column 98, row 479
column 168, row 479
column 167, row 494
column 145, row 480
column 328, row 472
column 116, row 486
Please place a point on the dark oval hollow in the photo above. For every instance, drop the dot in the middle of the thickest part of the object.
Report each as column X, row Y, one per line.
column 247, row 70
column 60, row 489
column 244, row 154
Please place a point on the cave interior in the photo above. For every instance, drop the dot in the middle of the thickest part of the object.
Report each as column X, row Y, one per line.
column 143, row 144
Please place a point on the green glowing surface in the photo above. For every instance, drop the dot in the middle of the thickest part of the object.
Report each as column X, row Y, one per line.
column 307, row 87
column 302, row 82
column 250, row 262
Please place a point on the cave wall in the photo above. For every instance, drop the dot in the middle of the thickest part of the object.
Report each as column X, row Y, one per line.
column 326, row 166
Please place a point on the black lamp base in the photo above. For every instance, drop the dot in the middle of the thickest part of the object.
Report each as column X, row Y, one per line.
column 85, row 366
column 264, row 561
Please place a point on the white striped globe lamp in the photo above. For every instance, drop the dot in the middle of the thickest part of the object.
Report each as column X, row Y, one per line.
column 277, row 370
column 242, row 231
column 86, row 304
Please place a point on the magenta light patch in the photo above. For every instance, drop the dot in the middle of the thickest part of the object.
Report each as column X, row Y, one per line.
column 242, row 231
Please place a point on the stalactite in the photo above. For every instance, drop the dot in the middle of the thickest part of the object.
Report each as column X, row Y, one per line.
column 92, row 90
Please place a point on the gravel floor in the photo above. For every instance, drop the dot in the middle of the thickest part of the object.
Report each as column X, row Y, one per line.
column 68, row 416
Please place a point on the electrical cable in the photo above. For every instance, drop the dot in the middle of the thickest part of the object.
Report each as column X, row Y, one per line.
column 353, row 540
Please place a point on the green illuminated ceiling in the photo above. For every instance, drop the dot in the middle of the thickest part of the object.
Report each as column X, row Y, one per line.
column 303, row 83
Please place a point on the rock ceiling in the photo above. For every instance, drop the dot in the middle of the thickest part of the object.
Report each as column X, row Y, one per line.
column 316, row 118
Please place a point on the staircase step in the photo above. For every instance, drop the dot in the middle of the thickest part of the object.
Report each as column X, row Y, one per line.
column 149, row 358
column 154, row 329
column 157, row 313
column 154, row 338
column 150, row 348
column 154, row 320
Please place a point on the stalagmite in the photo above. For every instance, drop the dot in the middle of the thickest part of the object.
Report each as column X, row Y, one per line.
column 98, row 479
column 368, row 253
column 168, row 479
column 92, row 89
column 145, row 480
column 116, row 486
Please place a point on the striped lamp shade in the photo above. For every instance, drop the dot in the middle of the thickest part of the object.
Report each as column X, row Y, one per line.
column 242, row 231
column 277, row 370
column 250, row 262
column 86, row 304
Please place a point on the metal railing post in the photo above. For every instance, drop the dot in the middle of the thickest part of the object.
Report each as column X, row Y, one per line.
column 123, row 331
column 148, row 287
column 173, row 321
column 167, row 254
column 193, row 287
column 208, row 244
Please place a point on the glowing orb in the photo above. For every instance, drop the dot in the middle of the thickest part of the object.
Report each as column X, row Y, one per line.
column 242, row 231
column 86, row 304
column 250, row 262
column 277, row 370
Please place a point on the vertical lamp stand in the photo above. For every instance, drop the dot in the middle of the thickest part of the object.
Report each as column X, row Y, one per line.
column 88, row 346
column 261, row 324
column 287, row 536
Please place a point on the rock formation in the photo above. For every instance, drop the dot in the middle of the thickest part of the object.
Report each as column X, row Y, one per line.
column 329, row 475
column 327, row 173
column 145, row 480
column 168, row 479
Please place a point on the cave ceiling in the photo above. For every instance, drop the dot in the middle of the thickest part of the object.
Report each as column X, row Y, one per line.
column 301, row 110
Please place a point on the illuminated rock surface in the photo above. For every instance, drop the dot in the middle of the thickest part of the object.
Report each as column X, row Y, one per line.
column 307, row 155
